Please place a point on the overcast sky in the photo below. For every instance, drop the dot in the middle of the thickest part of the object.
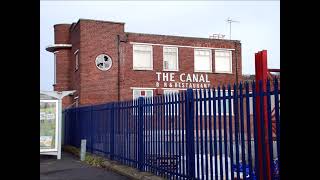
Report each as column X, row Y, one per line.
column 259, row 26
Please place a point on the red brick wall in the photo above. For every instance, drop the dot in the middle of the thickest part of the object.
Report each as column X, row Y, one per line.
column 134, row 78
column 75, row 74
column 62, row 36
column 63, row 67
column 97, row 37
column 61, row 33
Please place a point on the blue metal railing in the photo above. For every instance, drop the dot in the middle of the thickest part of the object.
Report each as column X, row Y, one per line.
column 194, row 134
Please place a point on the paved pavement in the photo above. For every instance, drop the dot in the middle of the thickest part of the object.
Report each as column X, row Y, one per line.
column 70, row 168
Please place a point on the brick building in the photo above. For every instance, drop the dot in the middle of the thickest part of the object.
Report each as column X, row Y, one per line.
column 103, row 63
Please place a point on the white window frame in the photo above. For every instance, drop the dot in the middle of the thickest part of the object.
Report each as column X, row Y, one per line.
column 194, row 59
column 167, row 91
column 140, row 89
column 216, row 101
column 177, row 59
column 170, row 90
column 134, row 60
column 215, row 67
column 227, row 102
column 77, row 59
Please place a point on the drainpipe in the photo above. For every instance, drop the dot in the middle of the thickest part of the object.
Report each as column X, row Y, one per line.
column 235, row 54
column 118, row 45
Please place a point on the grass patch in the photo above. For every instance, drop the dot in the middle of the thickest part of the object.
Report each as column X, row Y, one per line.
column 94, row 160
column 90, row 159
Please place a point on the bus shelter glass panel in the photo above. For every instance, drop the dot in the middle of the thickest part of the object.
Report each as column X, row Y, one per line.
column 48, row 125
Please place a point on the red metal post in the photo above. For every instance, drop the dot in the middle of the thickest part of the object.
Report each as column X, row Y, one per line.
column 261, row 69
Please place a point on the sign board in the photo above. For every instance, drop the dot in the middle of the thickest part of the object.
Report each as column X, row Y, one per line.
column 182, row 80
column 49, row 125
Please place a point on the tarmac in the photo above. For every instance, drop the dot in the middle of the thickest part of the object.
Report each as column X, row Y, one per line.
column 69, row 167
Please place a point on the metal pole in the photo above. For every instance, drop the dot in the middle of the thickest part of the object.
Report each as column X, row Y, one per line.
column 230, row 30
column 140, row 134
column 190, row 151
column 261, row 70
column 59, row 128
column 112, row 120
column 83, row 149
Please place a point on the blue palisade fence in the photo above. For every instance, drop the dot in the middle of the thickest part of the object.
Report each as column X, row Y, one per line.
column 194, row 134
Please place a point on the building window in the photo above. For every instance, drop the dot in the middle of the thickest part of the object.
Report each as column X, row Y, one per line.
column 202, row 60
column 142, row 93
column 223, row 61
column 170, row 91
column 172, row 109
column 77, row 59
column 170, row 59
column 227, row 103
column 209, row 102
column 142, row 57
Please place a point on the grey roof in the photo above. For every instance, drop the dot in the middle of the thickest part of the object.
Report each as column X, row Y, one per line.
column 46, row 97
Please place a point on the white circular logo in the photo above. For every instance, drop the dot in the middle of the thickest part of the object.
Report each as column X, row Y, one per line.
column 103, row 62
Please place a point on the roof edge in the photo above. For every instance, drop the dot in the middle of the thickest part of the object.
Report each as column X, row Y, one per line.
column 83, row 19
column 188, row 37
column 55, row 47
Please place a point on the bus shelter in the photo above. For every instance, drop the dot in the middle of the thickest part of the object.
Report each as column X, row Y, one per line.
column 51, row 122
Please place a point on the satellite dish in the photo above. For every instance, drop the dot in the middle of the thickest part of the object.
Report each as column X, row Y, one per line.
column 103, row 62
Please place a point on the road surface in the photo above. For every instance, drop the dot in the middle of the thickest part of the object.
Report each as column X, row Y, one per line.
column 71, row 168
